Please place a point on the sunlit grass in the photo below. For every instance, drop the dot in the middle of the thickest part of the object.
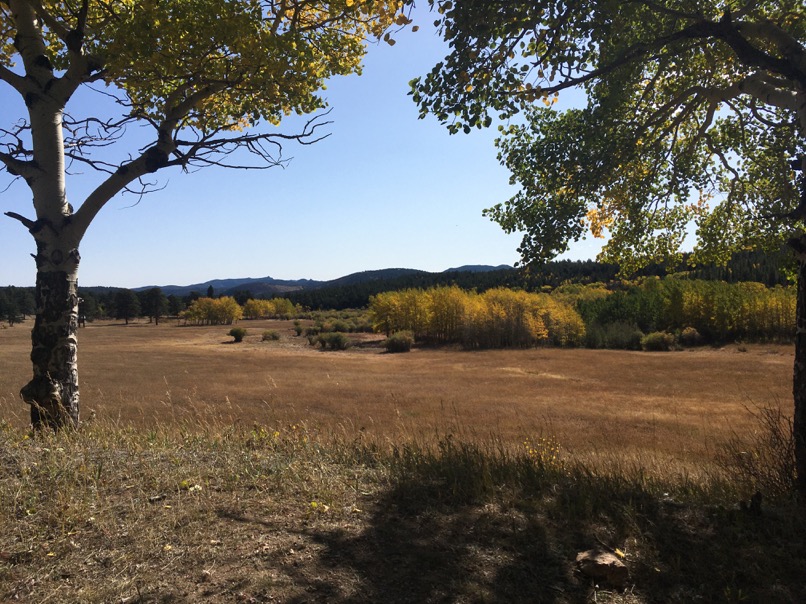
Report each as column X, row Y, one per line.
column 275, row 472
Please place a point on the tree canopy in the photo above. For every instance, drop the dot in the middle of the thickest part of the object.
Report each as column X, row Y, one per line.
column 201, row 73
column 695, row 114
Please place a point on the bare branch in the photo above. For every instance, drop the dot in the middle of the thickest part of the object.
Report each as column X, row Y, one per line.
column 18, row 167
column 15, row 81
column 27, row 223
column 210, row 148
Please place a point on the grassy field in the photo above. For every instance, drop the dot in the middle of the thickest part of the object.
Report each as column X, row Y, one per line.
column 275, row 472
column 668, row 406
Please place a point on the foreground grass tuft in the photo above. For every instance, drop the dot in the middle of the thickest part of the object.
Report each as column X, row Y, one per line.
column 189, row 513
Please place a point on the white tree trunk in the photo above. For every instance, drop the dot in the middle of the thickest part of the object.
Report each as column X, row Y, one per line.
column 53, row 390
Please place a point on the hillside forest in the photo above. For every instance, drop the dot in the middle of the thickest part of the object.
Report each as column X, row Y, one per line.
column 577, row 304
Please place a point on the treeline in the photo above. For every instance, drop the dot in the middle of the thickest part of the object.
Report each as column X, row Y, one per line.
column 213, row 311
column 497, row 318
column 16, row 303
column 711, row 311
column 225, row 310
column 125, row 304
column 767, row 268
column 654, row 312
column 357, row 295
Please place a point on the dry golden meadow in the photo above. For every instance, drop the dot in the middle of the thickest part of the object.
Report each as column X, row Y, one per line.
column 670, row 406
column 209, row 471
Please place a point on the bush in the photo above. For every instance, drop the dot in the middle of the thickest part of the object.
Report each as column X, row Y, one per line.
column 238, row 333
column 657, row 341
column 618, row 335
column 334, row 341
column 339, row 325
column 297, row 328
column 270, row 335
column 400, row 341
column 623, row 336
column 690, row 337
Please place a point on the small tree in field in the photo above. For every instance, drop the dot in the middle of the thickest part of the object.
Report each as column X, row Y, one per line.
column 205, row 77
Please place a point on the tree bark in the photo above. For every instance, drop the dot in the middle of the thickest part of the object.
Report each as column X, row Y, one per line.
column 52, row 393
column 799, row 373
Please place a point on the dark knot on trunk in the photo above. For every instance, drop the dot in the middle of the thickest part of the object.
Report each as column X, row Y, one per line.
column 155, row 159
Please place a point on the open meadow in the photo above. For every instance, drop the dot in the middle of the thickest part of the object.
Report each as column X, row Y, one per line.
column 661, row 407
column 209, row 471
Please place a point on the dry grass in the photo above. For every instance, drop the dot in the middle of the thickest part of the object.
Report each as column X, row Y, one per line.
column 409, row 480
column 661, row 408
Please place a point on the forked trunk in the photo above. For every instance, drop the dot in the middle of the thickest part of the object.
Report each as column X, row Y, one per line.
column 53, row 390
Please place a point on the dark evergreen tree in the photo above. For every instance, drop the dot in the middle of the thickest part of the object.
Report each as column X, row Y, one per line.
column 242, row 295
column 23, row 297
column 175, row 305
column 127, row 305
column 88, row 309
column 153, row 304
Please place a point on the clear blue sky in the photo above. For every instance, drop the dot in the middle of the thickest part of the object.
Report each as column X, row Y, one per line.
column 384, row 190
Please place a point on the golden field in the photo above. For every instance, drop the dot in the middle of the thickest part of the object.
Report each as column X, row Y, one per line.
column 272, row 471
column 675, row 406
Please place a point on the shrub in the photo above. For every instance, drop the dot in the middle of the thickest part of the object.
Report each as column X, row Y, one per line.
column 362, row 325
column 690, row 337
column 333, row 340
column 595, row 336
column 297, row 328
column 400, row 341
column 618, row 335
column 340, row 325
column 623, row 336
column 657, row 341
column 270, row 335
column 238, row 333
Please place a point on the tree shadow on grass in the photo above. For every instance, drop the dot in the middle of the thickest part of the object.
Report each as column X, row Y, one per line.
column 411, row 553
column 427, row 541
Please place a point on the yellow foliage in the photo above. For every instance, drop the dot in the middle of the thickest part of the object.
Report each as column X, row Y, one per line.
column 498, row 318
column 211, row 64
column 599, row 219
column 210, row 311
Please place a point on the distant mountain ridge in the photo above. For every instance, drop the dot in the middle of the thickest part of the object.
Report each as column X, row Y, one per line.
column 222, row 286
column 261, row 286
